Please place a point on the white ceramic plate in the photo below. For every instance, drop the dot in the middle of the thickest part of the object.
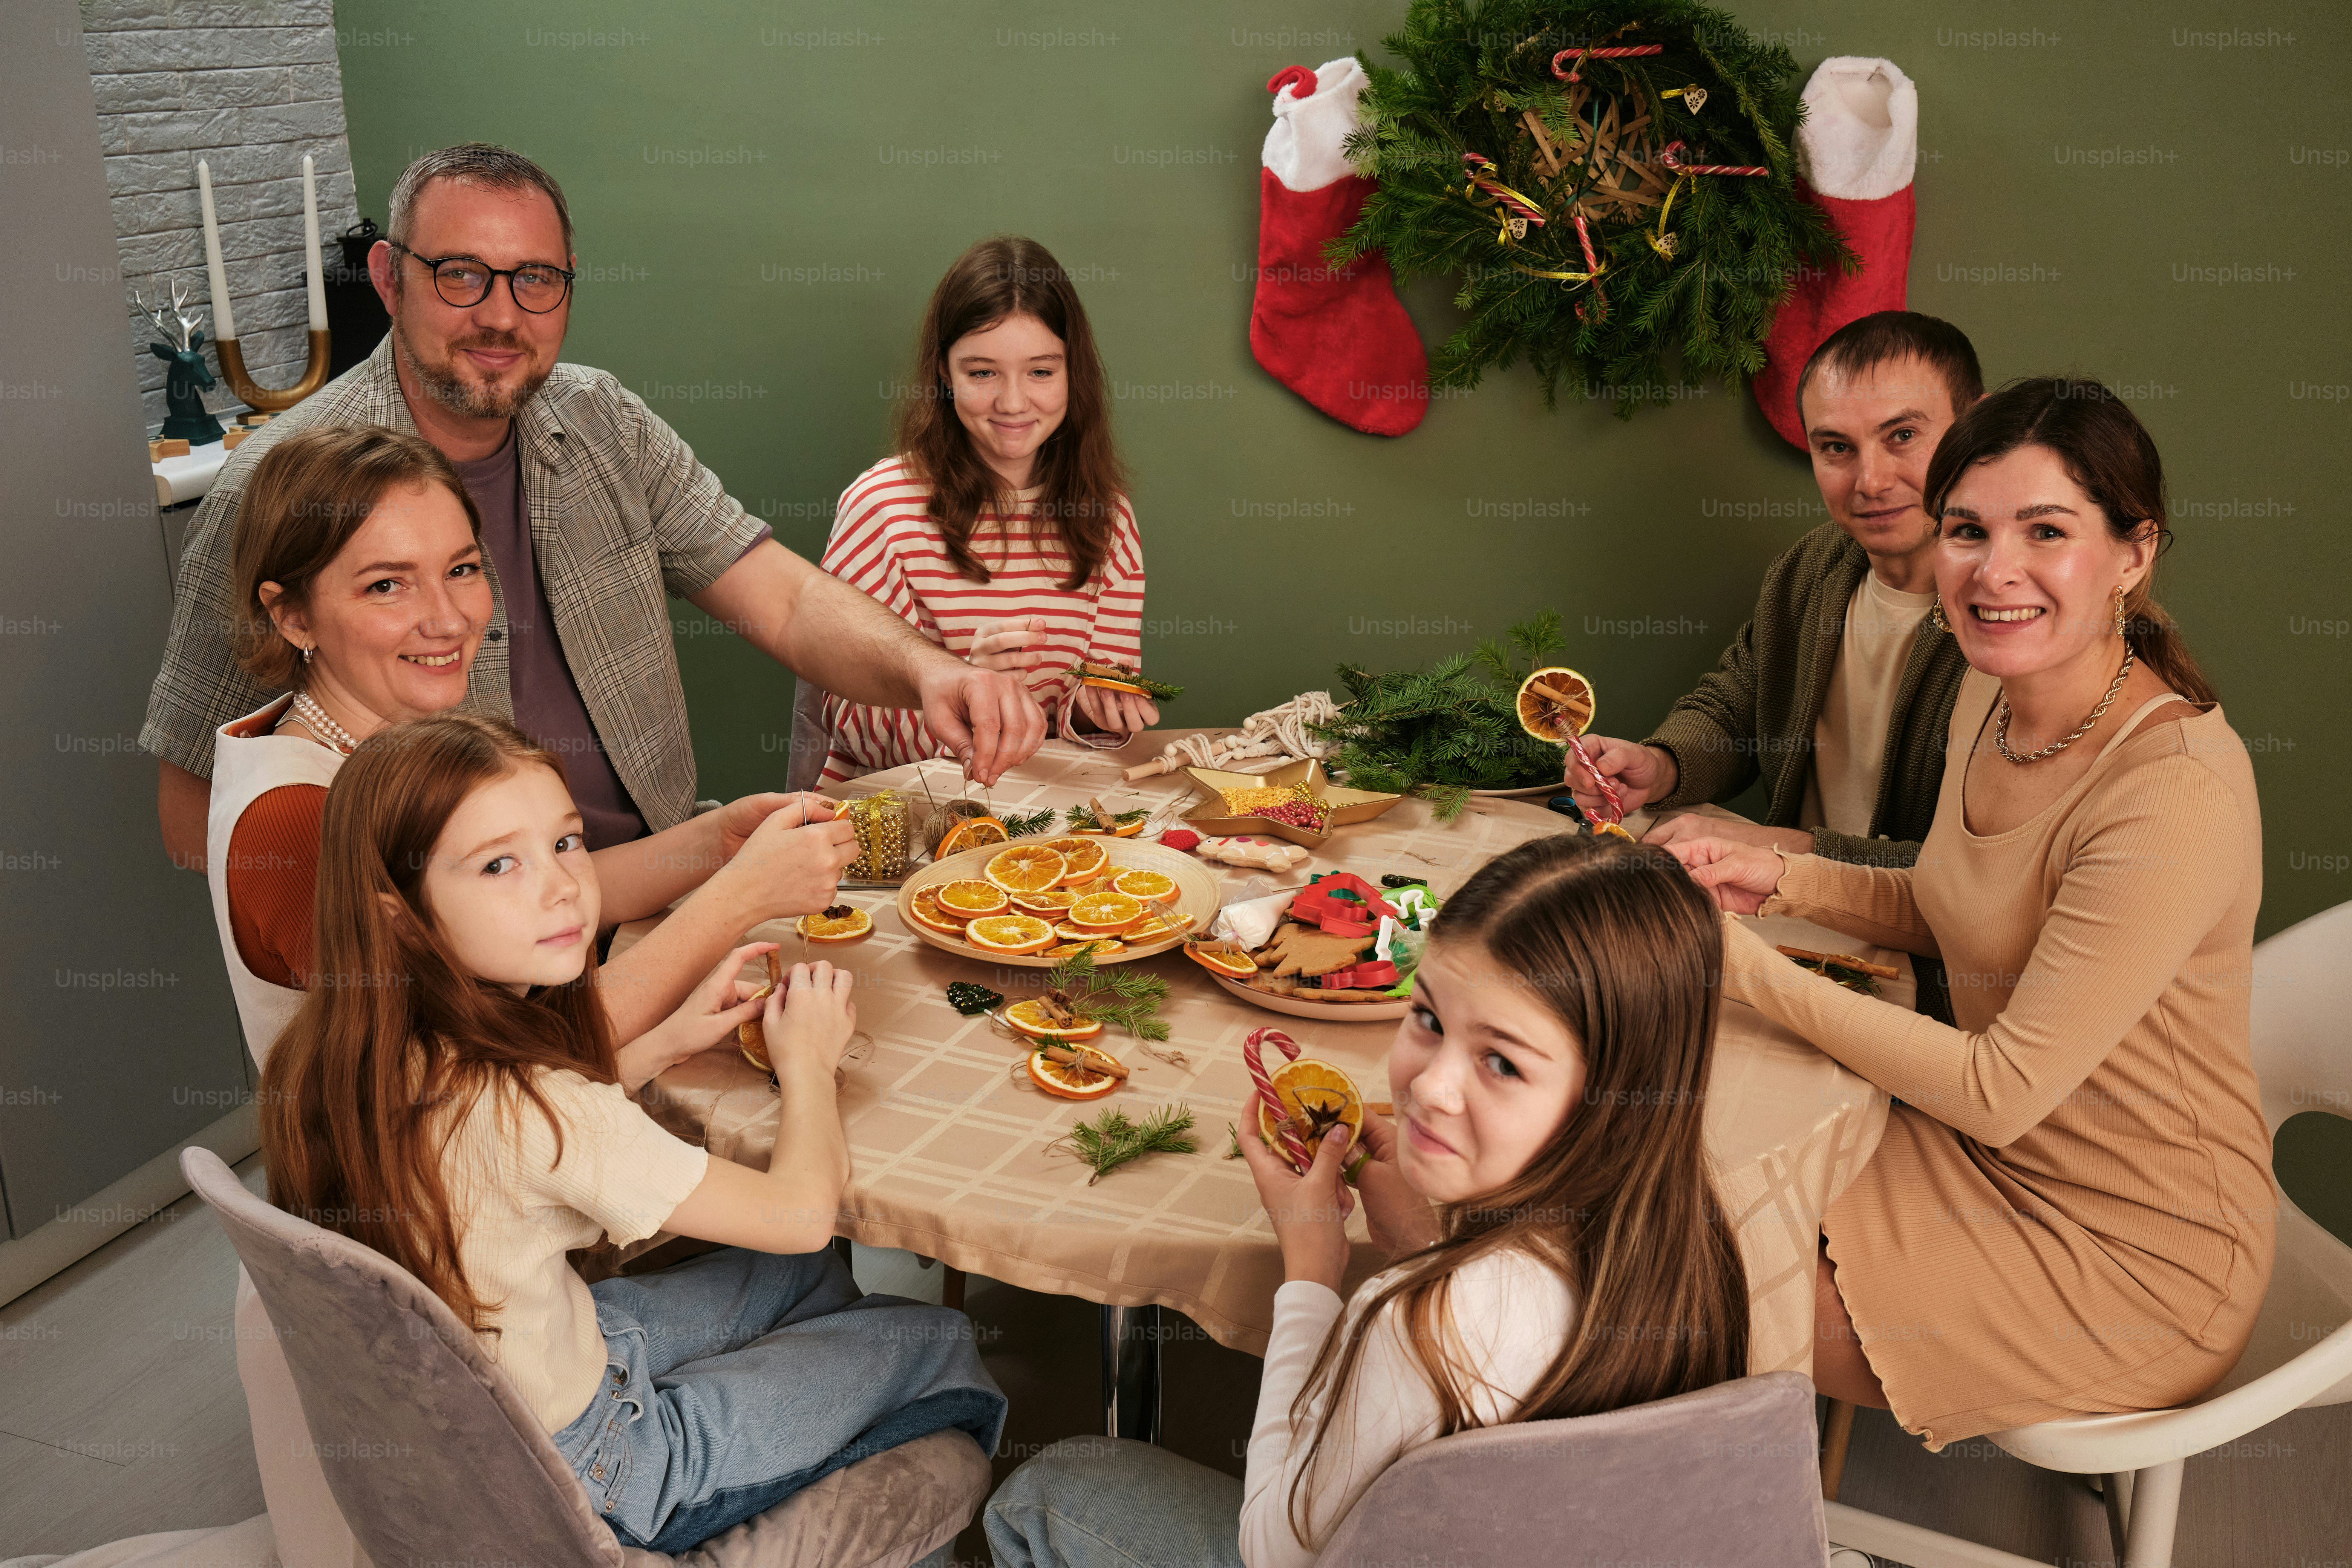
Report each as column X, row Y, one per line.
column 1325, row 1012
column 1198, row 894
column 1531, row 792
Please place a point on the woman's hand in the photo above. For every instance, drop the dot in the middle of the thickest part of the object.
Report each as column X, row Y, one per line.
column 1309, row 1212
column 1692, row 824
column 711, row 1013
column 809, row 1022
column 1740, row 876
column 1004, row 645
column 1119, row 712
column 1640, row 772
column 1401, row 1220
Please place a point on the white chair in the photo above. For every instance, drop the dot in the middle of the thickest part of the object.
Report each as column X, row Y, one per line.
column 2300, row 1354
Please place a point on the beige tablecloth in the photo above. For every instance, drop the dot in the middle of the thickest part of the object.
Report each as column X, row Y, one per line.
column 952, row 1152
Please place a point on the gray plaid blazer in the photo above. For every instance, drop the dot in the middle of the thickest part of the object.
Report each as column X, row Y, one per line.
column 621, row 517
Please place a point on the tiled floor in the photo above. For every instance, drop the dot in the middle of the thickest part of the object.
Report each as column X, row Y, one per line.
column 121, row 1414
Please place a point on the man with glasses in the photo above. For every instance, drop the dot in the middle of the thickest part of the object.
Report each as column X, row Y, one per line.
column 593, row 512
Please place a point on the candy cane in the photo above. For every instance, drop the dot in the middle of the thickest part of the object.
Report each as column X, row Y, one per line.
column 1623, row 52
column 1672, row 149
column 1293, row 1150
column 1608, row 791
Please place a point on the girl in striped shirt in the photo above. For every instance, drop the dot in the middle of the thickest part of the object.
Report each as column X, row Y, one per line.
column 1000, row 529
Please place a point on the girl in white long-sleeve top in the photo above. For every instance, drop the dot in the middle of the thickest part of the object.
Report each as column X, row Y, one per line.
column 1544, row 1191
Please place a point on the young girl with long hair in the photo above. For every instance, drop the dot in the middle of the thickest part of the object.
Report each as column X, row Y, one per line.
column 448, row 1095
column 999, row 527
column 1546, row 1196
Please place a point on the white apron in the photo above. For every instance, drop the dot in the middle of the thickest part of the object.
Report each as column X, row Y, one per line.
column 248, row 761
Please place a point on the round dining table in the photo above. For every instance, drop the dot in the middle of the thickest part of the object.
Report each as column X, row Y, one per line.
column 957, row 1158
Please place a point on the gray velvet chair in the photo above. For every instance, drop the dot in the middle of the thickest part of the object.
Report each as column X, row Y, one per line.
column 433, row 1458
column 1726, row 1476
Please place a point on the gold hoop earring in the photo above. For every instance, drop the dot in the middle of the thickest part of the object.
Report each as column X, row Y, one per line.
column 2123, row 627
column 1935, row 615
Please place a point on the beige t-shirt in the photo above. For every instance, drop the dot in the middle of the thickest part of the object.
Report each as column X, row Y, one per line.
column 520, row 1210
column 1850, row 736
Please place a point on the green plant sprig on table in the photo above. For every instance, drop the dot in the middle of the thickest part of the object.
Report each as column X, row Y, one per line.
column 1082, row 819
column 1441, row 733
column 1113, row 1137
column 1020, row 824
column 1127, row 997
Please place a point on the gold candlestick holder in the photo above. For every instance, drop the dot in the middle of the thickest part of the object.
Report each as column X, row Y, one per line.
column 243, row 387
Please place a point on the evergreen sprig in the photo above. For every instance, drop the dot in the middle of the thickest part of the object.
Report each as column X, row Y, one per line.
column 1020, row 825
column 1474, row 70
column 1127, row 997
column 1113, row 1137
column 1441, row 733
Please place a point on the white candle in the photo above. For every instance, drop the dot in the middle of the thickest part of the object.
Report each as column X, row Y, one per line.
column 314, row 269
column 223, row 324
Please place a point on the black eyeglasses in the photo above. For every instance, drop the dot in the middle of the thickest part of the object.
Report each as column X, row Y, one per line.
column 465, row 282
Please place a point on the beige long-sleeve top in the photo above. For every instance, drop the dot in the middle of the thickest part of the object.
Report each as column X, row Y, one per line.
column 2072, row 1209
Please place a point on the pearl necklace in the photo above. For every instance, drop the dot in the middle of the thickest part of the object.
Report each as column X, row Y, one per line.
column 2000, row 721
column 307, row 708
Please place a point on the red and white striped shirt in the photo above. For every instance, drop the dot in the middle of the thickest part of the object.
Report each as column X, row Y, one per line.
column 885, row 544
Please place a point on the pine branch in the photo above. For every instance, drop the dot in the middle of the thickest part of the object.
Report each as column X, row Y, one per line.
column 1113, row 1139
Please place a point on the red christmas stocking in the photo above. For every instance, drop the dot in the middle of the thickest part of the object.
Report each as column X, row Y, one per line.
column 1855, row 152
column 1336, row 336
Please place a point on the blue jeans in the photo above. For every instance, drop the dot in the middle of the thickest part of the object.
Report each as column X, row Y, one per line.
column 1109, row 1502
column 737, row 1378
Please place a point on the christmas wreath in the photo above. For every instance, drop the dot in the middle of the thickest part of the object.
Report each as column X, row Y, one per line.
column 1611, row 178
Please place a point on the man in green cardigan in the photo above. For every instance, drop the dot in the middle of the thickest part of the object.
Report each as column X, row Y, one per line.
column 1839, row 691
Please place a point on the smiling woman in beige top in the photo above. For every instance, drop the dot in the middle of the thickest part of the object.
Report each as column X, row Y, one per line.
column 2071, row 1210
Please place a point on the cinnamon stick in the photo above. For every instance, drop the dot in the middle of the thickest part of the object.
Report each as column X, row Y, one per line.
column 1843, row 960
column 1092, row 1061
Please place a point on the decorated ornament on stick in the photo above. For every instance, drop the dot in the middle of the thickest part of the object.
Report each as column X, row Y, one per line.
column 1302, row 1102
column 1557, row 704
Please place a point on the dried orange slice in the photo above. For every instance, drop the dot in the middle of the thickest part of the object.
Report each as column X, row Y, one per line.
column 925, row 911
column 1082, row 858
column 1067, row 1079
column 751, row 1038
column 1052, row 903
column 1025, row 868
column 971, row 833
column 969, row 900
column 1009, row 933
column 1556, row 702
column 1151, row 887
column 1155, row 924
column 1101, row 914
column 1318, row 1096
column 1036, row 1018
column 1100, row 946
column 840, row 923
column 1226, row 958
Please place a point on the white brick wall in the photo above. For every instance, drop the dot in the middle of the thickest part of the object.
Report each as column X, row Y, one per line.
column 249, row 86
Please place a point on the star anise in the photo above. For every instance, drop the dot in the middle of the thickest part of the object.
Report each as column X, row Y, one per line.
column 1321, row 1119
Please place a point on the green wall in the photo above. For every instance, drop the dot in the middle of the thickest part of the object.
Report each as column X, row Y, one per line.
column 765, row 194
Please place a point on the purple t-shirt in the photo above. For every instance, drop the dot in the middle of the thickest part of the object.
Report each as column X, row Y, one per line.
column 547, row 705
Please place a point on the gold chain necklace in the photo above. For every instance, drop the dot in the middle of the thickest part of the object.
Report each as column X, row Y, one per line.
column 2000, row 721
